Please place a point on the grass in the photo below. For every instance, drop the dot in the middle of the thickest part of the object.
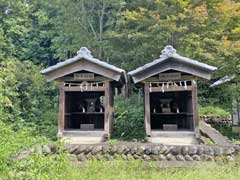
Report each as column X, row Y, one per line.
column 59, row 166
column 54, row 167
column 138, row 170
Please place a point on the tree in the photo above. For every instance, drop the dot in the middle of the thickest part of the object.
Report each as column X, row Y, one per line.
column 84, row 23
column 26, row 30
column 202, row 30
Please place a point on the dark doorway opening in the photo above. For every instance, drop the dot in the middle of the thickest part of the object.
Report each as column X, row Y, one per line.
column 171, row 110
column 84, row 111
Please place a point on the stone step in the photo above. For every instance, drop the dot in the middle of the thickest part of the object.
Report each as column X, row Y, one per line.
column 172, row 134
column 173, row 137
column 174, row 140
column 82, row 140
column 83, row 137
column 83, row 133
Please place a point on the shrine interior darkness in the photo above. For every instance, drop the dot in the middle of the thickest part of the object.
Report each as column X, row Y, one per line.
column 84, row 110
column 171, row 108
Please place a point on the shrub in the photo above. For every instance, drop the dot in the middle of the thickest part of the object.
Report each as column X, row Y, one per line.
column 129, row 118
column 36, row 165
column 12, row 141
column 26, row 99
column 213, row 111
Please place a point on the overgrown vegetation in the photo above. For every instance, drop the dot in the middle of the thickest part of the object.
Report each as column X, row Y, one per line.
column 213, row 111
column 226, row 130
column 27, row 100
column 12, row 141
column 58, row 166
column 129, row 118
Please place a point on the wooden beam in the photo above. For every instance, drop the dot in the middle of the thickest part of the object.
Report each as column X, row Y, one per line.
column 147, row 109
column 77, row 88
column 61, row 112
column 171, row 88
column 183, row 78
column 71, row 79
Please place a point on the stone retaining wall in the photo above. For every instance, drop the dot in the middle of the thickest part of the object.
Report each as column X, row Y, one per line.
column 155, row 152
column 142, row 151
column 215, row 120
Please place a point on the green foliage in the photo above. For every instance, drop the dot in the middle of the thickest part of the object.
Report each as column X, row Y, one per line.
column 26, row 30
column 59, row 167
column 84, row 23
column 12, row 141
column 26, row 98
column 213, row 111
column 200, row 30
column 220, row 96
column 129, row 118
column 36, row 166
column 227, row 131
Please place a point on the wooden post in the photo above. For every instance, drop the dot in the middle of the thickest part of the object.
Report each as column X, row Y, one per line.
column 195, row 108
column 61, row 113
column 108, row 115
column 147, row 109
column 111, row 114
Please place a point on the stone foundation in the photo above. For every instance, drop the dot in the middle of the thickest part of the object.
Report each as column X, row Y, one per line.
column 142, row 151
column 147, row 152
column 214, row 120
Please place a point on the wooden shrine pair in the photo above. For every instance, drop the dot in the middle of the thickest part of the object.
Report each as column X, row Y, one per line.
column 170, row 78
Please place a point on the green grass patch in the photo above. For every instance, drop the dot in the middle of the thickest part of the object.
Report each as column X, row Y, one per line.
column 59, row 167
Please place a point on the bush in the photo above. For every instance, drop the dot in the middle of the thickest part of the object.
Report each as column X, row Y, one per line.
column 26, row 99
column 36, row 165
column 213, row 111
column 129, row 118
column 12, row 141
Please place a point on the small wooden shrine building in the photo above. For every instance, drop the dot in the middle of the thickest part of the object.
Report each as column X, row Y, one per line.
column 86, row 96
column 170, row 92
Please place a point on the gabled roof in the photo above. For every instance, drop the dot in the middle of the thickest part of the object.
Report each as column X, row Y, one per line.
column 83, row 55
column 170, row 60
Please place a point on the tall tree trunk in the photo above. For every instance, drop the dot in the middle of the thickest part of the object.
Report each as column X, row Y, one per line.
column 101, row 29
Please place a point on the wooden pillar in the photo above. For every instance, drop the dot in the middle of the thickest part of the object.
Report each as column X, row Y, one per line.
column 61, row 113
column 195, row 108
column 147, row 109
column 108, row 114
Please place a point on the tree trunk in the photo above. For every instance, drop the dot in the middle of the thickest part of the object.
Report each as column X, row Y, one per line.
column 101, row 29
